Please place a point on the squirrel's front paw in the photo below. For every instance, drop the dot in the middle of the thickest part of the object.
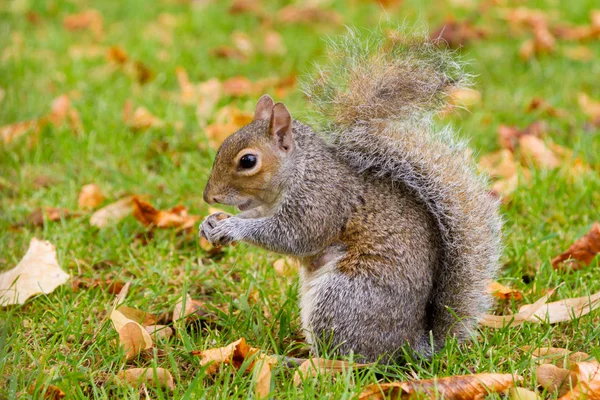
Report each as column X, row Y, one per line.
column 220, row 229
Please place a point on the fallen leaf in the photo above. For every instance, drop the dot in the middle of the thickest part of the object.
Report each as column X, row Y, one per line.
column 227, row 122
column 90, row 196
column 40, row 215
column 227, row 52
column 452, row 387
column 112, row 213
column 518, row 393
column 285, row 266
column 585, row 390
column 50, row 392
column 238, row 86
column 37, row 272
column 554, row 379
column 308, row 15
column 132, row 336
column 143, row 119
column 263, row 365
column 158, row 377
column 209, row 94
column 139, row 316
column 159, row 331
column 89, row 19
column 243, row 43
column 552, row 354
column 524, row 314
column 457, row 33
column 188, row 308
column 188, row 91
column 176, row 217
column 112, row 286
column 315, row 366
column 539, row 104
column 273, row 44
column 234, row 354
column 8, row 133
column 534, row 150
column 504, row 292
column 590, row 107
column 562, row 310
column 586, row 371
column 509, row 136
column 117, row 55
column 581, row 253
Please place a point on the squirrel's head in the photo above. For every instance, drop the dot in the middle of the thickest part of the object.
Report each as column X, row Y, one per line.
column 249, row 168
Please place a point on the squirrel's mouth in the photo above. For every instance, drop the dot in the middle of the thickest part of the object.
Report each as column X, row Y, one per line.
column 245, row 205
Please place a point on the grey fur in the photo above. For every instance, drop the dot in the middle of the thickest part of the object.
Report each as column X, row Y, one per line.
column 397, row 232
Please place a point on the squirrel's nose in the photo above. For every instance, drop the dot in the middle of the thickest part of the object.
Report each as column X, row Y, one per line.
column 209, row 198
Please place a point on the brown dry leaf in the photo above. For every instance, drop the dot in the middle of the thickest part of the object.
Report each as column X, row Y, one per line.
column 585, row 390
column 234, row 353
column 89, row 19
column 117, row 55
column 518, row 393
column 132, row 336
column 143, row 119
column 112, row 213
column 176, row 217
column 315, row 366
column 91, row 196
column 37, row 272
column 39, row 216
column 539, row 104
column 112, row 286
column 51, row 392
column 243, row 43
column 552, row 354
column 457, row 33
column 158, row 377
column 245, row 7
column 191, row 309
column 238, row 86
column 524, row 314
column 465, row 98
column 502, row 167
column 228, row 120
column 508, row 136
column 534, row 150
column 139, row 316
column 309, row 14
column 273, row 44
column 285, row 266
column 555, row 379
column 209, row 94
column 159, row 331
column 188, row 91
column 263, row 365
column 590, row 107
column 581, row 253
column 586, row 371
column 8, row 133
column 504, row 292
column 228, row 52
column 562, row 310
column 452, row 387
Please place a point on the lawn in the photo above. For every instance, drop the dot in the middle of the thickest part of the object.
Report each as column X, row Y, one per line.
column 65, row 338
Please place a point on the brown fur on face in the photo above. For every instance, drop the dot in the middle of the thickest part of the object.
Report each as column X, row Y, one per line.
column 230, row 185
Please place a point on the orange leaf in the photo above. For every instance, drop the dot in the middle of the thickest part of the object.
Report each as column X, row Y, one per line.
column 89, row 19
column 176, row 217
column 504, row 292
column 535, row 150
column 234, row 354
column 581, row 253
column 451, row 387
column 90, row 196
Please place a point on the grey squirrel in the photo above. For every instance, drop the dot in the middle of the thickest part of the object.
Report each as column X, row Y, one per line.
column 396, row 231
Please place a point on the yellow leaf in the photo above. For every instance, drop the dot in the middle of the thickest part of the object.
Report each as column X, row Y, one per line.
column 112, row 213
column 90, row 196
column 158, row 377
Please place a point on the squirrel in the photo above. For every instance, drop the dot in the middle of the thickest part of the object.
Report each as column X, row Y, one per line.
column 397, row 233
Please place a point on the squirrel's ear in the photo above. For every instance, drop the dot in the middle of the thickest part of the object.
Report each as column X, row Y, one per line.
column 264, row 107
column 281, row 126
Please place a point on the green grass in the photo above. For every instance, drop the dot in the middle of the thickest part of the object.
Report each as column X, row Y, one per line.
column 61, row 339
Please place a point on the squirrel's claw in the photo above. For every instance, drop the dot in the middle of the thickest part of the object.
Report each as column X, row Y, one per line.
column 216, row 230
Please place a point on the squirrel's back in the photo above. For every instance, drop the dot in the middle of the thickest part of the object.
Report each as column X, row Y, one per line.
column 378, row 98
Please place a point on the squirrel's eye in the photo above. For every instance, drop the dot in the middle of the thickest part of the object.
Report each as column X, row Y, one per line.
column 248, row 161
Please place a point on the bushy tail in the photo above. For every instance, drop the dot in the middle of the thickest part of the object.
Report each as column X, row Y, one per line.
column 378, row 97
